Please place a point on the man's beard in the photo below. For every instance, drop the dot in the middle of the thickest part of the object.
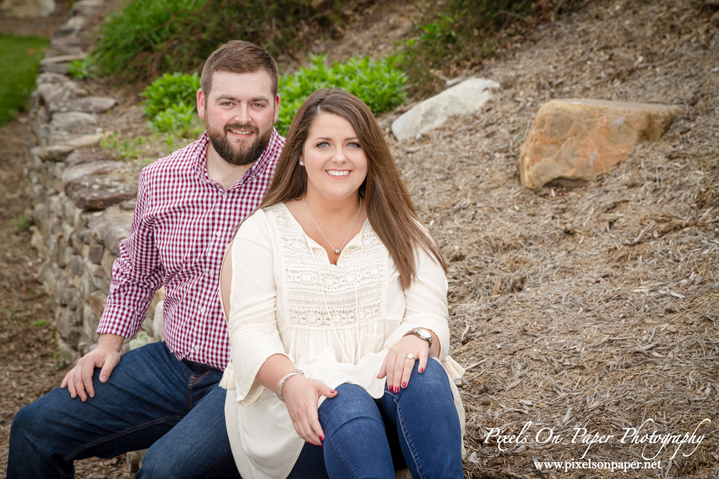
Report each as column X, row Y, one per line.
column 231, row 154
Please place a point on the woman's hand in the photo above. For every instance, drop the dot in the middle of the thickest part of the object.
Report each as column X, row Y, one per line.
column 302, row 396
column 398, row 367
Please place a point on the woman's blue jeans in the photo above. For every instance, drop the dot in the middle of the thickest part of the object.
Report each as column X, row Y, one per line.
column 151, row 400
column 371, row 438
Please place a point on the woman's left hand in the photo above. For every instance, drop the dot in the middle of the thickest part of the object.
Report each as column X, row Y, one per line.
column 398, row 364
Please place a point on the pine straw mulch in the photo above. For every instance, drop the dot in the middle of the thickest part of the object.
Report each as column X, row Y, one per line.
column 596, row 307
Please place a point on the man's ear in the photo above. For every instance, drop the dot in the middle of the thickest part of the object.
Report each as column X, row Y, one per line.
column 277, row 107
column 201, row 103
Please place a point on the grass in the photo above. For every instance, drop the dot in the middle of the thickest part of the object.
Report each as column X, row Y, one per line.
column 19, row 60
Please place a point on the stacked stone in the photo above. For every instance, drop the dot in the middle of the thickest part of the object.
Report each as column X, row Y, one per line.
column 83, row 201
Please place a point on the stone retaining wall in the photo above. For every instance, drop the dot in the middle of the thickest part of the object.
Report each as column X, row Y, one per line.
column 83, row 201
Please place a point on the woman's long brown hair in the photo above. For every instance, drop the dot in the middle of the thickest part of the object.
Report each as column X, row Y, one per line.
column 389, row 208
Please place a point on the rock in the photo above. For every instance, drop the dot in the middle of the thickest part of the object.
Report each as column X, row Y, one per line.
column 66, row 91
column 72, row 174
column 71, row 28
column 62, row 58
column 71, row 121
column 27, row 8
column 53, row 152
column 111, row 227
column 86, row 155
column 67, row 46
column 90, row 104
column 85, row 8
column 59, row 68
column 95, row 253
column 100, row 198
column 463, row 99
column 97, row 302
column 83, row 141
column 572, row 141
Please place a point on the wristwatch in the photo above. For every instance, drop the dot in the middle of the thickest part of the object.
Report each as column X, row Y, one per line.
column 421, row 334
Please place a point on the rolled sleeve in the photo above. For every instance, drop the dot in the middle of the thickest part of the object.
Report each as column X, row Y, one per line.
column 426, row 304
column 252, row 324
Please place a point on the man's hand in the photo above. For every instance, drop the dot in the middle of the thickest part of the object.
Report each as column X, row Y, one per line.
column 301, row 398
column 106, row 356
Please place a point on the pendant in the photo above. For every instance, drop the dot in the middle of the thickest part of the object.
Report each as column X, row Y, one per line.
column 337, row 251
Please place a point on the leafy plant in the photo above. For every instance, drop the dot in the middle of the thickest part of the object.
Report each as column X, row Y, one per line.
column 380, row 84
column 170, row 104
column 22, row 223
column 150, row 37
column 40, row 323
column 81, row 69
column 122, row 148
column 170, row 90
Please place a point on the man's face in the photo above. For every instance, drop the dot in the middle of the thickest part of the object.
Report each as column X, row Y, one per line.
column 239, row 114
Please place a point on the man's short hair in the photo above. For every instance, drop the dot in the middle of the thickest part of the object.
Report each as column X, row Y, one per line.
column 238, row 56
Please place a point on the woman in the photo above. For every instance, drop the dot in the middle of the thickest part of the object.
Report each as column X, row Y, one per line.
column 338, row 298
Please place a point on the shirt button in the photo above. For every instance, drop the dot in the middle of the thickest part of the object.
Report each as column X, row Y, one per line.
column 211, row 273
column 197, row 347
column 218, row 233
column 203, row 309
column 224, row 195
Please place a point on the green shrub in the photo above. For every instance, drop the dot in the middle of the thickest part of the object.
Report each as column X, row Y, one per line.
column 170, row 101
column 150, row 37
column 380, row 84
column 81, row 69
column 170, row 90
column 454, row 37
column 19, row 57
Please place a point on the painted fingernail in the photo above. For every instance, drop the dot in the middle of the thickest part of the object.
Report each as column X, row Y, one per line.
column 421, row 370
column 322, row 438
column 396, row 389
column 404, row 385
column 332, row 391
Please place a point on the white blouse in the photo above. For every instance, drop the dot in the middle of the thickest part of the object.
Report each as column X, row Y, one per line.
column 335, row 322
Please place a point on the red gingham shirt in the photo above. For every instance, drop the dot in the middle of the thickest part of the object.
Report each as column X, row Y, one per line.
column 182, row 223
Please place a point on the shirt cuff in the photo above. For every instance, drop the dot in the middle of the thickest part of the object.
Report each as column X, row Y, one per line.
column 119, row 320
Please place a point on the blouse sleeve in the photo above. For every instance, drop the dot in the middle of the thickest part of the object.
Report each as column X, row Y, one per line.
column 252, row 324
column 426, row 304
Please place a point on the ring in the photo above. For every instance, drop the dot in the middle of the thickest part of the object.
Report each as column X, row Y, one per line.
column 410, row 356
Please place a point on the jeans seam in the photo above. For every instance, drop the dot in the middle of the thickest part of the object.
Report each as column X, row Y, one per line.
column 340, row 455
column 410, row 446
column 191, row 384
column 118, row 434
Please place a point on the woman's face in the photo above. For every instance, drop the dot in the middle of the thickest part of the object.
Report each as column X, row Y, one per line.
column 335, row 161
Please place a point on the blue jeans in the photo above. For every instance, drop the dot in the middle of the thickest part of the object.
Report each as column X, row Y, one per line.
column 371, row 438
column 152, row 400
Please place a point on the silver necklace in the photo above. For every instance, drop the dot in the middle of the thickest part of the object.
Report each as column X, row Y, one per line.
column 337, row 251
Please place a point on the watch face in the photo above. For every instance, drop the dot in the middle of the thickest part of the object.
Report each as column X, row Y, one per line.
column 424, row 333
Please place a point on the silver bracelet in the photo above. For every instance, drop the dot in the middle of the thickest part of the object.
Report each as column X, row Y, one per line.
column 281, row 384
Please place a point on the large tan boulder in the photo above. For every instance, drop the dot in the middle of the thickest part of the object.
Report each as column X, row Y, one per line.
column 572, row 141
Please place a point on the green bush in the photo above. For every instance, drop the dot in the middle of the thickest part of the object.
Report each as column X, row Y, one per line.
column 150, row 37
column 19, row 57
column 170, row 101
column 380, row 84
column 170, row 90
column 81, row 69
column 454, row 37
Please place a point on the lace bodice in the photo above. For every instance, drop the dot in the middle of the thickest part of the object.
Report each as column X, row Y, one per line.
column 320, row 295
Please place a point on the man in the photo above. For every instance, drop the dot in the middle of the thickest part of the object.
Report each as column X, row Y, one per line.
column 165, row 396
